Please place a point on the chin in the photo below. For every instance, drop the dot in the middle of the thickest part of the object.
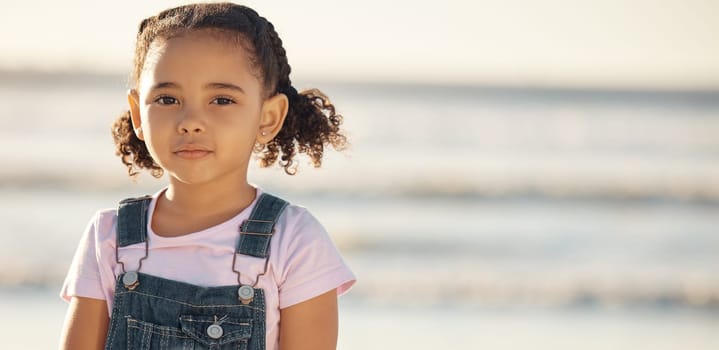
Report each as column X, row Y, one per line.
column 193, row 179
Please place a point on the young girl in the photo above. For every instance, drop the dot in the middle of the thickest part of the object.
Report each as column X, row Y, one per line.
column 210, row 261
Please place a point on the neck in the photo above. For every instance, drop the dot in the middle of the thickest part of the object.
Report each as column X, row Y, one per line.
column 208, row 199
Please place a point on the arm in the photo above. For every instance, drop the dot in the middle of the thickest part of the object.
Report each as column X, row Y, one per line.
column 85, row 324
column 311, row 324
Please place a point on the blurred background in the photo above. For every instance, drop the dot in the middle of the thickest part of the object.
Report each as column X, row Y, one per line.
column 523, row 174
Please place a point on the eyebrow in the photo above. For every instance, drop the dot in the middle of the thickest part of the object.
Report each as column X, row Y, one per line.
column 226, row 86
column 164, row 85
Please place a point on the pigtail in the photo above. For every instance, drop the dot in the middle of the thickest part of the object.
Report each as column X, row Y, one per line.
column 311, row 123
column 131, row 150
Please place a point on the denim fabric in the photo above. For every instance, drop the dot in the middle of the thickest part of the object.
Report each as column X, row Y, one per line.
column 258, row 230
column 164, row 314
column 132, row 225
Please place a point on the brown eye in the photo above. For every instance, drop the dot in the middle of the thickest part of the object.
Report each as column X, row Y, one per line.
column 223, row 101
column 166, row 100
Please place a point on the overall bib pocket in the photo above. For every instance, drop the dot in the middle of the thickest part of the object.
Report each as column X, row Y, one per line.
column 193, row 333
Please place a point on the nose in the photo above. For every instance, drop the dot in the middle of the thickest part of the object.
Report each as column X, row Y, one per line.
column 191, row 122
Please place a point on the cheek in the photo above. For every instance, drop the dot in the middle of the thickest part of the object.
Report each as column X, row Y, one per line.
column 240, row 119
column 156, row 128
column 154, row 117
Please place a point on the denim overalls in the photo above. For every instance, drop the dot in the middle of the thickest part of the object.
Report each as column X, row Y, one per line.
column 151, row 312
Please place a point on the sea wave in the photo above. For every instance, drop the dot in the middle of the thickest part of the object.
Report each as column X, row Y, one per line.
column 695, row 191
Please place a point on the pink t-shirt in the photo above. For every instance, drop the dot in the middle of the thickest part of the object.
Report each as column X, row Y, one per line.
column 303, row 262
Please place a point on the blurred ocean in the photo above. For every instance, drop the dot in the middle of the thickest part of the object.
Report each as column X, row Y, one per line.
column 501, row 217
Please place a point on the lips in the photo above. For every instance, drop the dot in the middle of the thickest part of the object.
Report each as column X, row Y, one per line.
column 192, row 151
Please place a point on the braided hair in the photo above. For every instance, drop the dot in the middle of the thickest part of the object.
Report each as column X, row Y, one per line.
column 311, row 121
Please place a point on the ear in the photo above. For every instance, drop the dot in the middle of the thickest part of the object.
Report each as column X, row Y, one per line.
column 272, row 116
column 133, row 99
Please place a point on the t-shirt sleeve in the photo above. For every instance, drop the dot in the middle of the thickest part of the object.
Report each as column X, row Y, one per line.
column 311, row 264
column 83, row 277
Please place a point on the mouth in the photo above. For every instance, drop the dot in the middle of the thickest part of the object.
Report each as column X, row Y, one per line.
column 192, row 152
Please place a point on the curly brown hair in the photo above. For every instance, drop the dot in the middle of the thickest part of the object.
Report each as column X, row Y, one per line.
column 311, row 123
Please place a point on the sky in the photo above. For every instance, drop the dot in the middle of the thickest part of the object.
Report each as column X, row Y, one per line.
column 615, row 43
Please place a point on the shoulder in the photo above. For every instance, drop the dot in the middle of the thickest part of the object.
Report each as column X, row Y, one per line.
column 299, row 230
column 104, row 221
column 131, row 206
column 108, row 216
column 101, row 231
column 298, row 220
column 295, row 226
column 103, row 225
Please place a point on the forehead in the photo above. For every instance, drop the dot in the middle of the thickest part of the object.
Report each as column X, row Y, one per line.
column 203, row 54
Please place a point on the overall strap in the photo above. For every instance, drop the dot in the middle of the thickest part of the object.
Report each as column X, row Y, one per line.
column 256, row 232
column 132, row 220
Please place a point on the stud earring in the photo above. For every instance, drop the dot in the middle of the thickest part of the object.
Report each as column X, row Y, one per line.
column 264, row 133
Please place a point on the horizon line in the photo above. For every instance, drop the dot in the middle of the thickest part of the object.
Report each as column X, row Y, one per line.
column 66, row 74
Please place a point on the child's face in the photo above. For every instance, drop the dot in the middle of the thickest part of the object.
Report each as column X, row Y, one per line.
column 200, row 108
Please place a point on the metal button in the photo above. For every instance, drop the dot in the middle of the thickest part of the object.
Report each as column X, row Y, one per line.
column 246, row 294
column 215, row 331
column 130, row 280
